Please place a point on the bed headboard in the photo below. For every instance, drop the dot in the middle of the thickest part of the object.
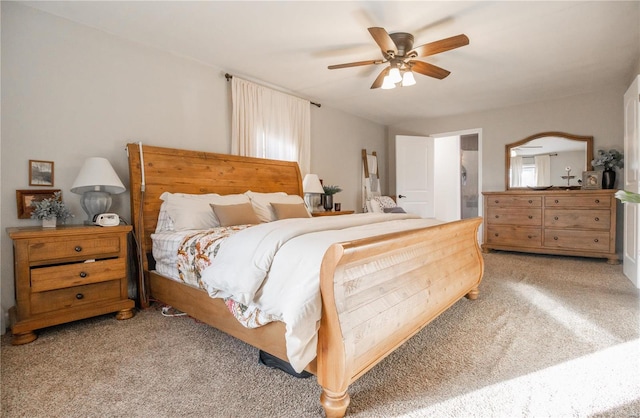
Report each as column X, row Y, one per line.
column 176, row 170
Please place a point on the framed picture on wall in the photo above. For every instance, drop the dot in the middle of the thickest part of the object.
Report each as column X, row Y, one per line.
column 592, row 180
column 40, row 173
column 24, row 198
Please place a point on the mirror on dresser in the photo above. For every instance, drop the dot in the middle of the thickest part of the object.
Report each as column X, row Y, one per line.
column 548, row 159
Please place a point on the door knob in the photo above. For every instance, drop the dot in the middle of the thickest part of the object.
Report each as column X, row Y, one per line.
column 400, row 196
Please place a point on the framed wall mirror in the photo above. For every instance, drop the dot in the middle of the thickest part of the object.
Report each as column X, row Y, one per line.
column 548, row 159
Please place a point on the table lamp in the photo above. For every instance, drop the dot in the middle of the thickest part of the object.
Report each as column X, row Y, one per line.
column 311, row 186
column 96, row 182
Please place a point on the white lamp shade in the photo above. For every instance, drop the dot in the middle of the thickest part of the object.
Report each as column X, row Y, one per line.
column 408, row 79
column 394, row 75
column 387, row 84
column 97, row 174
column 311, row 184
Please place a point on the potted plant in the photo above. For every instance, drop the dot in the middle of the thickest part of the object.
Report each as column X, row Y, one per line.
column 51, row 210
column 609, row 161
column 329, row 191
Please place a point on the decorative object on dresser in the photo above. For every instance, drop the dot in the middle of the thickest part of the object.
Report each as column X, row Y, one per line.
column 96, row 182
column 533, row 162
column 609, row 161
column 51, row 210
column 329, row 191
column 577, row 222
column 592, row 180
column 311, row 187
column 25, row 199
column 67, row 273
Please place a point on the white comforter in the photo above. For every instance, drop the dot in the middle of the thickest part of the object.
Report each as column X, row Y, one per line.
column 276, row 267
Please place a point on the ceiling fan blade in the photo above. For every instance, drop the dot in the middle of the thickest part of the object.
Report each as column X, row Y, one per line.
column 355, row 64
column 380, row 79
column 437, row 47
column 427, row 69
column 384, row 41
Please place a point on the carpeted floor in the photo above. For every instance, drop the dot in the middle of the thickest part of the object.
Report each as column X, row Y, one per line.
column 548, row 337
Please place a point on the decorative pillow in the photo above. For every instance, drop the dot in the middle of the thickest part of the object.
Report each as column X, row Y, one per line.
column 240, row 214
column 262, row 203
column 165, row 223
column 189, row 211
column 192, row 211
column 397, row 209
column 385, row 202
column 289, row 210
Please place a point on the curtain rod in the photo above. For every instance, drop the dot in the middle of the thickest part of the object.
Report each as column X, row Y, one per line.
column 229, row 77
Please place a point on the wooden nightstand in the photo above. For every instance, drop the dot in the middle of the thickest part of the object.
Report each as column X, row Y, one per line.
column 333, row 213
column 67, row 273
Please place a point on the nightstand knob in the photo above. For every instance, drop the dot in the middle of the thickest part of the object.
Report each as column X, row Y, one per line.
column 78, row 248
column 79, row 296
column 597, row 219
column 83, row 274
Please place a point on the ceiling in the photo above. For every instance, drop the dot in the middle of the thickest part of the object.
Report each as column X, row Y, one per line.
column 519, row 52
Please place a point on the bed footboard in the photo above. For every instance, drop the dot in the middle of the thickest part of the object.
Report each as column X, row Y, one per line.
column 377, row 293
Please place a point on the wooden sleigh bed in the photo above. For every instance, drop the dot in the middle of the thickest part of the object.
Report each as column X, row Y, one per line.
column 393, row 284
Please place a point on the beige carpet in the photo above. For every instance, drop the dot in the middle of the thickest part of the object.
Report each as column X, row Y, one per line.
column 548, row 337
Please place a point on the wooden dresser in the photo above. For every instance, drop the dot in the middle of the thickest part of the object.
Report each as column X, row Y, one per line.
column 68, row 273
column 564, row 222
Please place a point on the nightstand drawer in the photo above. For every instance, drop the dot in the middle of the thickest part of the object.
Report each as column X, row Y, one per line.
column 68, row 275
column 54, row 300
column 74, row 248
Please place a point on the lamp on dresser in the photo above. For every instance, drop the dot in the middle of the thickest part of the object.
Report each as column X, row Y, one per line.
column 311, row 186
column 96, row 182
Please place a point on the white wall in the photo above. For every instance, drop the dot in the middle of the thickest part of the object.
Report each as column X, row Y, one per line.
column 70, row 92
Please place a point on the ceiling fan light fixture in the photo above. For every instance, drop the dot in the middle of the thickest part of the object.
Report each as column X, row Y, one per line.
column 394, row 75
column 387, row 84
column 408, row 79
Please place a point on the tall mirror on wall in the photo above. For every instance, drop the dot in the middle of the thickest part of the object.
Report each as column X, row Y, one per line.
column 548, row 160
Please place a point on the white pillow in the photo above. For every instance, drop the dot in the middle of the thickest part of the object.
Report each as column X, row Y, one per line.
column 262, row 203
column 192, row 211
column 379, row 203
column 165, row 223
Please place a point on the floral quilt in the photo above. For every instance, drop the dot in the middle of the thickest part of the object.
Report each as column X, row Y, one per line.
column 197, row 251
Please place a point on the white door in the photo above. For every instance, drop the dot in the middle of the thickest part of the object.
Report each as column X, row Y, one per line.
column 414, row 175
column 631, row 234
column 428, row 171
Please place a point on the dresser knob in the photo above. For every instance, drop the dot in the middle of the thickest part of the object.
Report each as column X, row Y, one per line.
column 530, row 201
column 529, row 236
column 597, row 219
column 530, row 217
column 555, row 238
column 496, row 201
column 597, row 200
column 78, row 248
column 496, row 234
column 555, row 218
column 557, row 201
column 595, row 240
column 497, row 216
column 83, row 274
column 79, row 296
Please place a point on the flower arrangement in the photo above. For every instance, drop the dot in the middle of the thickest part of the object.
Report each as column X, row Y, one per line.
column 608, row 159
column 50, row 208
column 628, row 197
column 331, row 190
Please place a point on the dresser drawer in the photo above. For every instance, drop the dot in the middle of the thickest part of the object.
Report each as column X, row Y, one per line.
column 572, row 239
column 510, row 201
column 74, row 248
column 514, row 236
column 511, row 216
column 68, row 275
column 578, row 201
column 71, row 297
column 583, row 219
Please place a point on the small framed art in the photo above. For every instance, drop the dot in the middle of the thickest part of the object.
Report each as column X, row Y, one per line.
column 24, row 198
column 592, row 180
column 40, row 173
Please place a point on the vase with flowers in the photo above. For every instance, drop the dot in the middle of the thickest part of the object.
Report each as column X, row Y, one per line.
column 51, row 210
column 327, row 197
column 609, row 161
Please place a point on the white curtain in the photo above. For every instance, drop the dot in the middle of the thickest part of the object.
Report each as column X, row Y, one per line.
column 516, row 171
column 543, row 170
column 270, row 124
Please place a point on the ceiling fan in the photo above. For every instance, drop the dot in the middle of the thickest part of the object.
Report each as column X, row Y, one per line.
column 397, row 49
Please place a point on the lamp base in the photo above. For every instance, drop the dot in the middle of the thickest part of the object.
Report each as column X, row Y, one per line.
column 95, row 203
